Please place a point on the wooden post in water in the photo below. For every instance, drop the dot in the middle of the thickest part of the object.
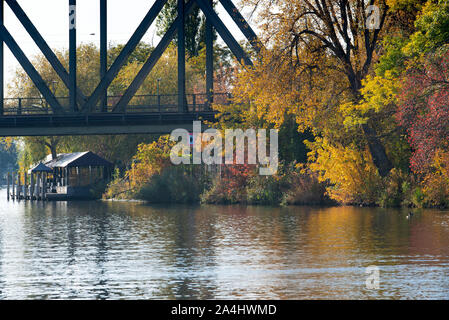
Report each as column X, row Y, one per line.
column 13, row 186
column 25, row 191
column 31, row 186
column 21, row 187
column 44, row 184
column 38, row 191
column 7, row 188
column 38, row 185
column 19, row 191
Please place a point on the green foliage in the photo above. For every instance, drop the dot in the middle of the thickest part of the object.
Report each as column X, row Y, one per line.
column 432, row 28
column 264, row 190
column 8, row 159
column 182, row 184
column 418, row 197
column 140, row 54
column 392, row 194
column 291, row 142
column 195, row 26
column 394, row 59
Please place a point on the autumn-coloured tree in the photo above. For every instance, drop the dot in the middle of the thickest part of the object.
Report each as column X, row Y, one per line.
column 424, row 107
column 320, row 52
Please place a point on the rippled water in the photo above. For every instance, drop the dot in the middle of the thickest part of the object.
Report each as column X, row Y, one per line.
column 89, row 250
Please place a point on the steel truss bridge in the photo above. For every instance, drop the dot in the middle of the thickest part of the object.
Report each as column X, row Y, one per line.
column 129, row 113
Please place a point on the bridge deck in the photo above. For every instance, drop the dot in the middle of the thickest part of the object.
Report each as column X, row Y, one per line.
column 108, row 123
column 30, row 117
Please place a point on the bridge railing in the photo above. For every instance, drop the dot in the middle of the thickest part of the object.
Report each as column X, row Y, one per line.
column 163, row 103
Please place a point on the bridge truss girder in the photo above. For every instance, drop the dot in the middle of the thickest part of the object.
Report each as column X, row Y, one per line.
column 79, row 103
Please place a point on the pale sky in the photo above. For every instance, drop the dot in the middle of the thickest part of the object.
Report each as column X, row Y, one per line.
column 52, row 20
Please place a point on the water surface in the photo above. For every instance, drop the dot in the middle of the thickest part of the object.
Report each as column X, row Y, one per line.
column 111, row 250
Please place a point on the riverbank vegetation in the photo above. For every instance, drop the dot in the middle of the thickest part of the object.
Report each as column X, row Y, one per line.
column 153, row 178
column 376, row 101
column 8, row 158
column 362, row 112
column 372, row 102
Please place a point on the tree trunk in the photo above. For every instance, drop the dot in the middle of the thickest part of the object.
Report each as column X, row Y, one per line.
column 54, row 155
column 53, row 146
column 377, row 151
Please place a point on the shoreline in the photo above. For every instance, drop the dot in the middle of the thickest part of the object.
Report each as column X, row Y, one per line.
column 336, row 205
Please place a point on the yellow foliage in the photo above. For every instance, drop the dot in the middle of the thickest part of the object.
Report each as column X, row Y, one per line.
column 403, row 4
column 351, row 173
column 7, row 141
column 149, row 160
column 379, row 97
column 436, row 183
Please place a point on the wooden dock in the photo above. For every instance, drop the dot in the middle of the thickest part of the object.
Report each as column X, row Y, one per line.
column 23, row 186
column 69, row 176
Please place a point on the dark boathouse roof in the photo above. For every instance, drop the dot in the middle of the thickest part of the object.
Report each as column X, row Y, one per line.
column 78, row 159
column 40, row 168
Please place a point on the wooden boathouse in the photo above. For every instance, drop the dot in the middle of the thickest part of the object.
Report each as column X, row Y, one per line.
column 67, row 177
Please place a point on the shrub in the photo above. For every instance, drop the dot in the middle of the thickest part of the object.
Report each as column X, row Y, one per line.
column 119, row 187
column 418, row 197
column 304, row 188
column 350, row 173
column 97, row 190
column 230, row 186
column 175, row 184
column 436, row 182
column 392, row 193
column 264, row 190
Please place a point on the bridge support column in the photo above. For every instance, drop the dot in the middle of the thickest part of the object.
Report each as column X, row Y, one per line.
column 72, row 55
column 182, row 106
column 104, row 50
column 209, row 61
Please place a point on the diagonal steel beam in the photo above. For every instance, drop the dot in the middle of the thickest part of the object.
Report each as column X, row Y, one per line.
column 124, row 55
column 72, row 56
column 182, row 102
column 242, row 24
column 30, row 70
column 104, row 49
column 152, row 60
column 209, row 61
column 224, row 32
column 43, row 46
